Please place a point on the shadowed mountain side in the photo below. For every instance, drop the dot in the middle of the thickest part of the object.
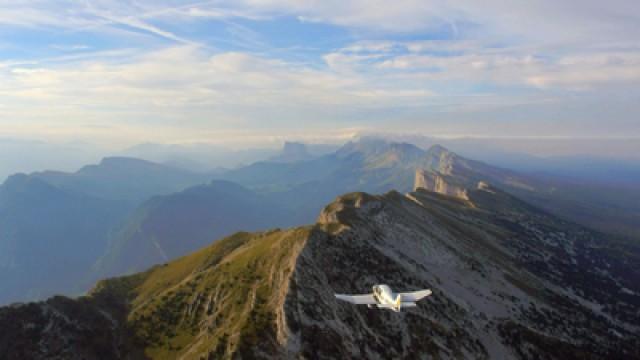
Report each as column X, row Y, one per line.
column 49, row 237
column 509, row 282
column 54, row 225
column 166, row 227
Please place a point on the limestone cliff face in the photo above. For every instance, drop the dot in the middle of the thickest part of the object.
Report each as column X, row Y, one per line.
column 436, row 182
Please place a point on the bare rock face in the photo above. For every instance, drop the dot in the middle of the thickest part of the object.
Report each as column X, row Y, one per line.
column 436, row 182
column 503, row 275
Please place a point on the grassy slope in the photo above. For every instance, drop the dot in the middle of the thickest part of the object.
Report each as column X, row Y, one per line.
column 214, row 301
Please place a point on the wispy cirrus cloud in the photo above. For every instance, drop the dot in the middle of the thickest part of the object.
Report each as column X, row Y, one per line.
column 472, row 61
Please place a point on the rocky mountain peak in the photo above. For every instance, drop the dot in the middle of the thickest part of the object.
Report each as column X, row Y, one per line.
column 343, row 211
column 378, row 153
column 447, row 173
column 439, row 159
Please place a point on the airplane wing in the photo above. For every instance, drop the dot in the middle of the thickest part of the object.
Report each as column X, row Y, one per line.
column 415, row 295
column 357, row 299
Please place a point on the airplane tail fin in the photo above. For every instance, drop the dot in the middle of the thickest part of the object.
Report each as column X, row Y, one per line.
column 398, row 302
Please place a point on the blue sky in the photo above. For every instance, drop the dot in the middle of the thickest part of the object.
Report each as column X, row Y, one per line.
column 118, row 73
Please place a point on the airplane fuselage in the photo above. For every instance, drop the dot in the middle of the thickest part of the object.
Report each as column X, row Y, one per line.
column 386, row 298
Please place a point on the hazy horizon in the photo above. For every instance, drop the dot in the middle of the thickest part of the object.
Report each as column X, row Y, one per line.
column 40, row 155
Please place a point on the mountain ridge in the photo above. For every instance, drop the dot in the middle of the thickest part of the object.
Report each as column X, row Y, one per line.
column 270, row 294
column 124, row 178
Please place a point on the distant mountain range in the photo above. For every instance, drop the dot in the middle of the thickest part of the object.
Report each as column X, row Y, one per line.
column 602, row 161
column 125, row 214
column 509, row 281
column 121, row 178
column 207, row 157
column 375, row 165
column 369, row 165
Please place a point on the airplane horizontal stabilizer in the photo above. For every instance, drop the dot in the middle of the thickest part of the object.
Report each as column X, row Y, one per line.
column 415, row 295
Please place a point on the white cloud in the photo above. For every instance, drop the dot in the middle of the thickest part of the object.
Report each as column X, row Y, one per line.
column 473, row 62
column 183, row 85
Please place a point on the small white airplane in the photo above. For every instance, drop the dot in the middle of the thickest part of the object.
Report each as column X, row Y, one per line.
column 384, row 298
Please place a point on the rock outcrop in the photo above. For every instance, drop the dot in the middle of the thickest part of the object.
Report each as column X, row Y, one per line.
column 433, row 181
